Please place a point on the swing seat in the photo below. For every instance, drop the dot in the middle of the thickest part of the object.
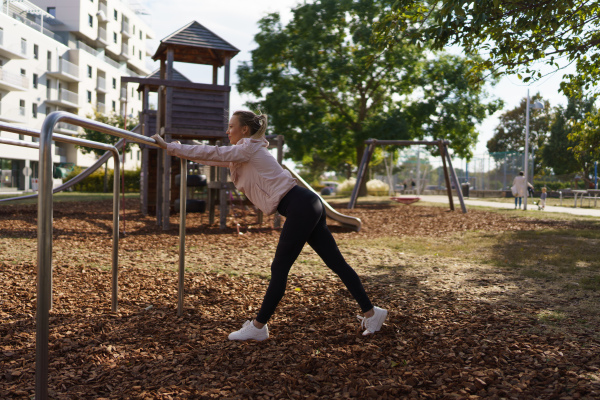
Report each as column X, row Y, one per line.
column 406, row 200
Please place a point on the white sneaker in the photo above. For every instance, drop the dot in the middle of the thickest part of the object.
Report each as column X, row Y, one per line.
column 250, row 332
column 373, row 324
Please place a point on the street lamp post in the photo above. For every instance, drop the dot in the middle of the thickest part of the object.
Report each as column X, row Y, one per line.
column 536, row 106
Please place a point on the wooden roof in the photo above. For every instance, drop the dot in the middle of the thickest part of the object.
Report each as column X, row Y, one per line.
column 177, row 76
column 196, row 44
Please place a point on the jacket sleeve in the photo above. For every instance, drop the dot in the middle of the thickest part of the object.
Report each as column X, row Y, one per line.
column 210, row 155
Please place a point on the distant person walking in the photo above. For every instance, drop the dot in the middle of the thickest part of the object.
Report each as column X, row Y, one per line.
column 519, row 188
column 543, row 197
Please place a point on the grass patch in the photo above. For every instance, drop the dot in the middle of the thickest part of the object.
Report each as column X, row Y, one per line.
column 550, row 316
column 72, row 196
column 590, row 283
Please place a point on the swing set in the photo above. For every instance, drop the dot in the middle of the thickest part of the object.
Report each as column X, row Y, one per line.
column 449, row 172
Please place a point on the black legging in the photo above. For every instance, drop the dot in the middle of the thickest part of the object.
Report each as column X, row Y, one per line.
column 305, row 223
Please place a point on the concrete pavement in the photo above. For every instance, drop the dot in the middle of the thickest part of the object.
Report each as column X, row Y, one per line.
column 481, row 202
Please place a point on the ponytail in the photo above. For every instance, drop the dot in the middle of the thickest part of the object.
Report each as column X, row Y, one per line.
column 256, row 123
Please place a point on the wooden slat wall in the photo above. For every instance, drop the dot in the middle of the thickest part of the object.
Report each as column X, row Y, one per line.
column 201, row 110
column 175, row 167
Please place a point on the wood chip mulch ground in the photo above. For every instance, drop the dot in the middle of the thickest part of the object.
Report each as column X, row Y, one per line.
column 436, row 344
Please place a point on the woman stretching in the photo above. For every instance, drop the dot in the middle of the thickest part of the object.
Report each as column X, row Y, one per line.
column 257, row 174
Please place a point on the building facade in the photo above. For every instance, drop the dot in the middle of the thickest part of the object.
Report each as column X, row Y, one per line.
column 66, row 55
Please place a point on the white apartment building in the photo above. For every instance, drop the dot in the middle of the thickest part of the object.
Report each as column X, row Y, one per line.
column 66, row 55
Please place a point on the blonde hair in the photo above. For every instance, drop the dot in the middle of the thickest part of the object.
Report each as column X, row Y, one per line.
column 256, row 123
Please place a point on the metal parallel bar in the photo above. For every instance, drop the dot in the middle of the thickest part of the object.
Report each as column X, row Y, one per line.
column 182, row 211
column 45, row 211
column 455, row 179
column 20, row 143
column 361, row 172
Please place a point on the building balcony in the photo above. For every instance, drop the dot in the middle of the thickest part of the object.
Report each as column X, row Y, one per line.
column 14, row 115
column 66, row 71
column 101, row 108
column 102, row 39
column 67, row 129
column 123, row 94
column 12, row 51
column 124, row 52
column 65, row 99
column 125, row 29
column 101, row 85
column 102, row 13
column 11, row 81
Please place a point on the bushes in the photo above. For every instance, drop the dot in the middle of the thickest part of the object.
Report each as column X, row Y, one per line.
column 95, row 182
column 375, row 187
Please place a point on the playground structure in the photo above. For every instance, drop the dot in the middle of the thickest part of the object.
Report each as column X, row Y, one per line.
column 186, row 112
column 443, row 148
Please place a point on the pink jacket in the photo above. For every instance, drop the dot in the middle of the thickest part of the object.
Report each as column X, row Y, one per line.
column 254, row 171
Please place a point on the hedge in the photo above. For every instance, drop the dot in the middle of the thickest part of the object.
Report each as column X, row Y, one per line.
column 95, row 182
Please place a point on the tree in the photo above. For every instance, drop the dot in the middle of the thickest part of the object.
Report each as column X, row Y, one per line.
column 109, row 119
column 326, row 94
column 509, row 135
column 558, row 153
column 515, row 36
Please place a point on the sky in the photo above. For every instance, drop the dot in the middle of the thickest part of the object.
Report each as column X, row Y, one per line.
column 236, row 21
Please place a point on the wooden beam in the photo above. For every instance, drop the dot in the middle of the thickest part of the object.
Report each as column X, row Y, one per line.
column 446, row 176
column 361, row 173
column 455, row 178
column 154, row 82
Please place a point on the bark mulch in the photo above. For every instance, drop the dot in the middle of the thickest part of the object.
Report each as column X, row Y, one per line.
column 436, row 344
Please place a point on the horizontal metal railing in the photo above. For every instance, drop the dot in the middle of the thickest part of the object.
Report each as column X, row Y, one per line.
column 20, row 143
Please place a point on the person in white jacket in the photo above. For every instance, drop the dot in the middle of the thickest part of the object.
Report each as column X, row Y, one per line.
column 519, row 187
column 256, row 173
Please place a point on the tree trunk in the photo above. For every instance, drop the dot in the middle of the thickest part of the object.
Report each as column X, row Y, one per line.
column 106, row 177
column 360, row 150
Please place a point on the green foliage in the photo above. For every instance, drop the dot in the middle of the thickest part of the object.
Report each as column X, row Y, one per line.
column 95, row 182
column 558, row 153
column 325, row 92
column 516, row 37
column 109, row 119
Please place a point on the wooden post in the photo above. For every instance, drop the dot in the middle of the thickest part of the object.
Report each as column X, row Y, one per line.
column 446, row 177
column 215, row 74
column 277, row 218
column 361, row 172
column 223, row 209
column 455, row 179
column 145, row 153
column 168, row 95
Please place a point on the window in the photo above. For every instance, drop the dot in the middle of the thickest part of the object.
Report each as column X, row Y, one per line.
column 90, row 21
column 48, row 87
column 132, row 93
column 23, row 72
column 114, row 106
column 49, row 61
column 140, row 35
column 35, row 81
column 139, row 95
column 34, row 110
column 114, row 83
column 36, row 51
column 115, row 37
column 89, row 96
column 134, row 29
column 138, row 155
column 116, row 15
column 23, row 46
column 51, row 11
column 89, row 71
column 22, row 108
column 140, row 54
column 133, row 50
